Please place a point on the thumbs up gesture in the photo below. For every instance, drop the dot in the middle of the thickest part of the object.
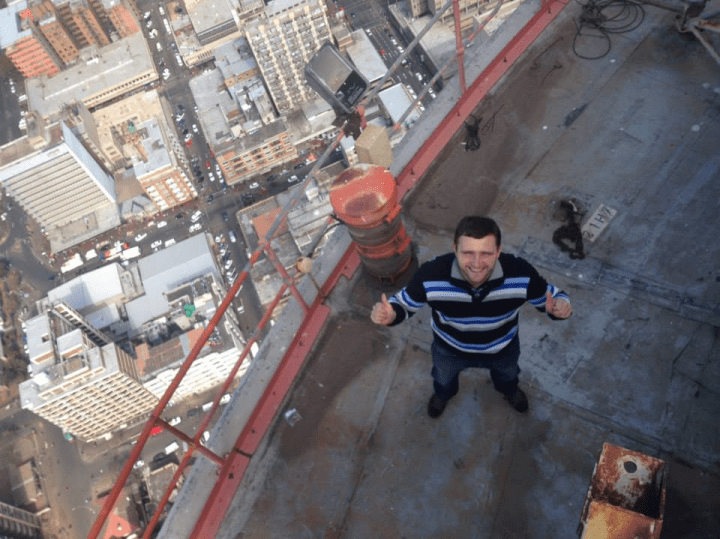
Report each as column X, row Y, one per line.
column 559, row 308
column 382, row 312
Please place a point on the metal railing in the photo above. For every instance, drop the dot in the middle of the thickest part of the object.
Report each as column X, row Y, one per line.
column 232, row 466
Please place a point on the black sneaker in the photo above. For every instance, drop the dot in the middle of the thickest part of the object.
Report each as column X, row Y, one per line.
column 436, row 406
column 518, row 400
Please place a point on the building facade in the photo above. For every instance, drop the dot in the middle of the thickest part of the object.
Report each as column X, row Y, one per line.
column 283, row 39
column 81, row 381
column 257, row 153
column 25, row 46
column 18, row 523
column 45, row 18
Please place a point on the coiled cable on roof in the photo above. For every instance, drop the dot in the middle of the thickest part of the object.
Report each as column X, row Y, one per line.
column 600, row 18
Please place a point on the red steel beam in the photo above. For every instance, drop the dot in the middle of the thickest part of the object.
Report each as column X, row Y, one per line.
column 217, row 504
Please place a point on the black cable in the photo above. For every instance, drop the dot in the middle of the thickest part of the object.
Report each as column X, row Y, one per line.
column 600, row 18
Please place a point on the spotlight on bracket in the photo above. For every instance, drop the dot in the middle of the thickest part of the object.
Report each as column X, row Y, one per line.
column 336, row 80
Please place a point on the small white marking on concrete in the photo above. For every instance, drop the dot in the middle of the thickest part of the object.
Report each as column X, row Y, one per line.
column 598, row 221
column 695, row 128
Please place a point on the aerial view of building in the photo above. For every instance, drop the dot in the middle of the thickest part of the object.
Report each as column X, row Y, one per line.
column 210, row 233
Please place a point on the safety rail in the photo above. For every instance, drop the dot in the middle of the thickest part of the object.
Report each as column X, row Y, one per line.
column 414, row 169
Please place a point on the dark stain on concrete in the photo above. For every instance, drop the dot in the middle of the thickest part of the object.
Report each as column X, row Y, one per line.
column 574, row 115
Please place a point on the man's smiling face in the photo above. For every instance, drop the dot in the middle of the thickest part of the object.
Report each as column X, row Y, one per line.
column 476, row 258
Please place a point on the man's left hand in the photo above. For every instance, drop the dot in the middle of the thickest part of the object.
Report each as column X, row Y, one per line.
column 559, row 308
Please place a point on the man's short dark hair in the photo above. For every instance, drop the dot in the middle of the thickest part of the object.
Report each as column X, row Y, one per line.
column 475, row 226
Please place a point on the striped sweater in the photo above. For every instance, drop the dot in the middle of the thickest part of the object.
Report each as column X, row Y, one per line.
column 479, row 320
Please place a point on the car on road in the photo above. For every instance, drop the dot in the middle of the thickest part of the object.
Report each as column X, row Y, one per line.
column 195, row 227
column 225, row 398
column 188, row 136
column 193, row 412
column 140, row 237
column 293, row 179
column 175, row 421
column 195, row 128
column 225, row 216
column 166, row 74
column 139, row 464
column 162, row 224
column 196, row 216
column 299, row 166
column 254, row 185
column 271, row 178
column 210, row 198
column 180, row 215
column 232, row 236
column 156, row 244
column 156, row 430
column 228, row 264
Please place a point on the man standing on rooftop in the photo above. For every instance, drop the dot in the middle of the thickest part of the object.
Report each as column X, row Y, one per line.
column 475, row 294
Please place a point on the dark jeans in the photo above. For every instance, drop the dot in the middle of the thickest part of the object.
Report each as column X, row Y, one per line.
column 447, row 365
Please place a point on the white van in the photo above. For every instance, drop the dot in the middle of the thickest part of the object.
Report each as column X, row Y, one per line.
column 172, row 448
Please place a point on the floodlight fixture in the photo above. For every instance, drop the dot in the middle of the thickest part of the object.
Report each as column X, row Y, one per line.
column 335, row 79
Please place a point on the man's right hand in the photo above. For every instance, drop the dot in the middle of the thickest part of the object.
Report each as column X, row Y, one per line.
column 382, row 312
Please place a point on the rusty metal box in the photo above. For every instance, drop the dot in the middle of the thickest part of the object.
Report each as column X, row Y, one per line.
column 626, row 498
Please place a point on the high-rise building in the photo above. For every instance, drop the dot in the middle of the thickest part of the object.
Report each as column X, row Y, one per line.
column 60, row 185
column 84, row 23
column 18, row 523
column 81, row 381
column 24, row 45
column 283, row 39
column 44, row 37
column 45, row 17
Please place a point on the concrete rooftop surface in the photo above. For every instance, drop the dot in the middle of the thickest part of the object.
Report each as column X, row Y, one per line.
column 637, row 365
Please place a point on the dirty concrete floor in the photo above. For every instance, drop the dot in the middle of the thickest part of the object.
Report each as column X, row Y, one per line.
column 638, row 364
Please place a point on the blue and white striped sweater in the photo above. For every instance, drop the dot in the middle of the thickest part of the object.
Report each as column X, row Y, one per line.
column 474, row 321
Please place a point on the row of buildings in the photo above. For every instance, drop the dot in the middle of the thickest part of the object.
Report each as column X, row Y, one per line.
column 95, row 106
